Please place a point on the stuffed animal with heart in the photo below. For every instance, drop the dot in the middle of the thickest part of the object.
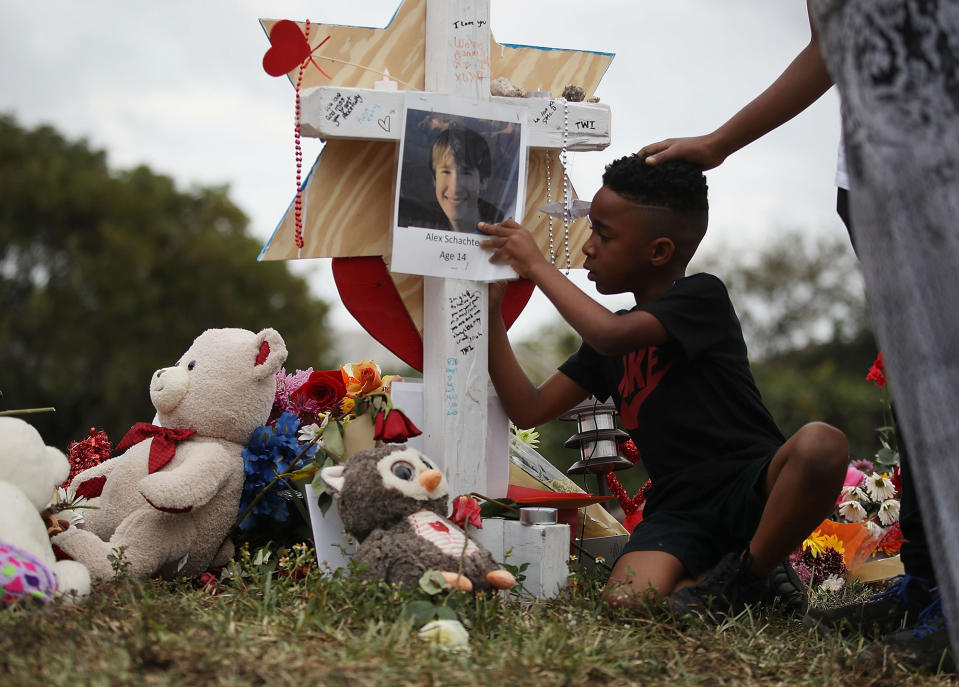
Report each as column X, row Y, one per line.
column 30, row 471
column 394, row 501
column 165, row 505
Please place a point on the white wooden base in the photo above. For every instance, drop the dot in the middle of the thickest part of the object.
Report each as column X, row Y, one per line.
column 544, row 547
column 333, row 546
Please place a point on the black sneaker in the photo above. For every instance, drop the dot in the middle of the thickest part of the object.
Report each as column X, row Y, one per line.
column 893, row 609
column 728, row 589
column 925, row 645
column 785, row 588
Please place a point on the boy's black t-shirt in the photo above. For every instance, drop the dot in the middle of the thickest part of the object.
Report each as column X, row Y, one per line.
column 691, row 406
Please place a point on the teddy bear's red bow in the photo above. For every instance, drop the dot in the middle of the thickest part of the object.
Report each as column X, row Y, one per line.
column 163, row 447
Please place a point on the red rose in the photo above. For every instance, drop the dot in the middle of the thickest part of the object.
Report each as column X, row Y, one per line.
column 325, row 387
column 876, row 372
column 393, row 427
column 466, row 509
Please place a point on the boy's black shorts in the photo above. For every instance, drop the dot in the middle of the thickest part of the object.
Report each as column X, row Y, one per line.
column 724, row 521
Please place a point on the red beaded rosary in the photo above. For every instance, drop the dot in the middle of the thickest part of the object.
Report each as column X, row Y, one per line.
column 298, row 202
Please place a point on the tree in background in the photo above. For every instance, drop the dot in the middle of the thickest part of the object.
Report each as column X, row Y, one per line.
column 107, row 276
column 794, row 292
column 802, row 304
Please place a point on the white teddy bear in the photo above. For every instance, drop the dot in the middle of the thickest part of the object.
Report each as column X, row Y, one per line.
column 169, row 501
column 29, row 473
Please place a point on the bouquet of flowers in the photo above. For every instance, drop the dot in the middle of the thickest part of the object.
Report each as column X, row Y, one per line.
column 820, row 561
column 308, row 429
column 869, row 497
column 872, row 489
column 865, row 521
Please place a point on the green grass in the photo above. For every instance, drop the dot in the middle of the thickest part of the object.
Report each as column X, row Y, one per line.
column 284, row 622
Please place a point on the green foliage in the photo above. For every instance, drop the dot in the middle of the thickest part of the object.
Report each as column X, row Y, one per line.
column 107, row 276
column 805, row 320
column 799, row 389
column 118, row 562
column 278, row 618
column 794, row 292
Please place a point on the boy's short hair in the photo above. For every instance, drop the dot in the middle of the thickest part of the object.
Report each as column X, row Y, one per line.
column 674, row 184
column 468, row 148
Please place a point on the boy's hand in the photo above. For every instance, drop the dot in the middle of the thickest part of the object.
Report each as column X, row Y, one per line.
column 497, row 294
column 512, row 244
column 700, row 150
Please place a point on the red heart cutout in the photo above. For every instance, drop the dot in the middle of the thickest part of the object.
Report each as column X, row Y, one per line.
column 371, row 297
column 289, row 48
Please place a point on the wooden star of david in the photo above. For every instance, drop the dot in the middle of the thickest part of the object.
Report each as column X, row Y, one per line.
column 348, row 195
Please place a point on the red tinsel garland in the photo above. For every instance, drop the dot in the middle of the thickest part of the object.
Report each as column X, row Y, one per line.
column 630, row 452
column 88, row 453
column 629, row 504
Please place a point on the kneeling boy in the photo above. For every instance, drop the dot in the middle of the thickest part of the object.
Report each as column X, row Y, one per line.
column 729, row 493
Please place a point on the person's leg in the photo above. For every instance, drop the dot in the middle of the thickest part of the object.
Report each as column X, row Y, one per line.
column 800, row 486
column 802, row 483
column 914, row 553
column 901, row 128
column 643, row 575
column 842, row 209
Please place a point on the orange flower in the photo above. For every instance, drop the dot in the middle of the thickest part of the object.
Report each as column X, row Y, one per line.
column 361, row 378
column 891, row 541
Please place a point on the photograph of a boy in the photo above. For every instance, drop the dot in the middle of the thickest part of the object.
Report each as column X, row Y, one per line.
column 731, row 496
column 465, row 185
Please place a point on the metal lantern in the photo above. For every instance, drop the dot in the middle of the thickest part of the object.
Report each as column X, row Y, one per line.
column 598, row 439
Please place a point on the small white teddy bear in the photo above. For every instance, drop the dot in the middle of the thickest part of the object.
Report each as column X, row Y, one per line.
column 169, row 501
column 29, row 473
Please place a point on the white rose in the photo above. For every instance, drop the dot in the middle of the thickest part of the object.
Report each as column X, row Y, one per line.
column 447, row 634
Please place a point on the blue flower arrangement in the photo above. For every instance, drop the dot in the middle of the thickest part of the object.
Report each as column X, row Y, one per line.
column 270, row 461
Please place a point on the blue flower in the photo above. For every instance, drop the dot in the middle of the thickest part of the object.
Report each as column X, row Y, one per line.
column 272, row 450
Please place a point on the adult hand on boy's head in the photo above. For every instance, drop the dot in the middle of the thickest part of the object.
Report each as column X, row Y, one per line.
column 700, row 150
column 512, row 244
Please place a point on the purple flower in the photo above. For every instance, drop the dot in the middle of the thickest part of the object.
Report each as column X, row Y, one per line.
column 286, row 384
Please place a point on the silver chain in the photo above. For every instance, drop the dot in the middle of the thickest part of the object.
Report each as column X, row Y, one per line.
column 566, row 192
column 566, row 200
column 549, row 198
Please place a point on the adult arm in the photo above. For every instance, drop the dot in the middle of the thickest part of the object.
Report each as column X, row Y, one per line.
column 798, row 87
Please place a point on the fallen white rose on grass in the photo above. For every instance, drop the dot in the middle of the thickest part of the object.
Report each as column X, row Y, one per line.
column 833, row 583
column 446, row 634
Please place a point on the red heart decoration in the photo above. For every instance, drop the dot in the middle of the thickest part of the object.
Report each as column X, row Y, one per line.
column 289, row 48
column 371, row 297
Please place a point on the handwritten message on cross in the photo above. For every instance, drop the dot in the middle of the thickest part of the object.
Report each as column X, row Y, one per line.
column 442, row 46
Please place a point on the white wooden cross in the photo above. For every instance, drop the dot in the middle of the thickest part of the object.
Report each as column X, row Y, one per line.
column 454, row 312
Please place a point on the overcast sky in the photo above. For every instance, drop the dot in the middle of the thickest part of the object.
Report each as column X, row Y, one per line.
column 178, row 85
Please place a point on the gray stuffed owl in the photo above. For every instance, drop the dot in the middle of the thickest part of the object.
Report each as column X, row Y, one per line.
column 394, row 501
